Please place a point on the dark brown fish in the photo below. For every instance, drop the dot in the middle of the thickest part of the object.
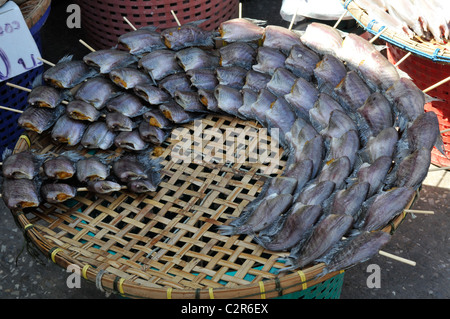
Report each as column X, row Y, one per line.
column 20, row 193
column 57, row 192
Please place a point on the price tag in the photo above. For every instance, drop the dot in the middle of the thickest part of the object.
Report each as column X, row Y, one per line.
column 18, row 50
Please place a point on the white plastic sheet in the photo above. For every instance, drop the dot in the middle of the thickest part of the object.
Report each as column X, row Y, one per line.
column 315, row 9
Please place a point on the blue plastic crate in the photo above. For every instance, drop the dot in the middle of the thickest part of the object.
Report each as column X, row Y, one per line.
column 17, row 99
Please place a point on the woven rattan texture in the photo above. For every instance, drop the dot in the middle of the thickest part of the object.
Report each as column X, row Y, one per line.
column 103, row 19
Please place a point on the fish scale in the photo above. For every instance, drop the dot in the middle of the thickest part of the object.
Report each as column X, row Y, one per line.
column 310, row 86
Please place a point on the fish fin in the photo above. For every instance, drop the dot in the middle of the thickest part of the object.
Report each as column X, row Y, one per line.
column 66, row 58
column 37, row 81
column 226, row 230
column 6, row 153
column 73, row 156
column 439, row 144
column 149, row 28
column 258, row 22
column 429, row 98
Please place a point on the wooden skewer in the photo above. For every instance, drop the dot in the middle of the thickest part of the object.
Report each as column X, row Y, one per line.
column 10, row 109
column 176, row 19
column 436, row 85
column 445, row 131
column 401, row 259
column 293, row 18
column 340, row 19
column 438, row 169
column 46, row 62
column 377, row 35
column 129, row 23
column 240, row 10
column 87, row 45
column 430, row 212
column 26, row 90
column 402, row 59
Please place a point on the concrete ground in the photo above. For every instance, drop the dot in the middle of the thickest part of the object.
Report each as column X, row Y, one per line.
column 421, row 238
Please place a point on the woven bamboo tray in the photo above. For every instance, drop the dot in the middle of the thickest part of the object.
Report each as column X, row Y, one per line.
column 165, row 244
column 430, row 50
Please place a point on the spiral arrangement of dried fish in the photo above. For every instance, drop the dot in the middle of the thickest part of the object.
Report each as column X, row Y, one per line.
column 354, row 129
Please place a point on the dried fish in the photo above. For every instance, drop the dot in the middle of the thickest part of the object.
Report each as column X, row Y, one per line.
column 329, row 72
column 194, row 58
column 98, row 136
column 38, row 119
column 152, row 134
column 128, row 78
column 91, row 169
column 159, row 64
column 302, row 97
column 109, row 59
column 302, row 61
column 23, row 165
column 97, row 91
column 68, row 131
column 256, row 80
column 156, row 118
column 128, row 104
column 131, row 141
column 240, row 30
column 239, row 54
column 352, row 92
column 61, row 167
column 281, row 82
column 57, row 192
column 339, row 124
column 228, row 99
column 208, row 99
column 203, row 79
column 83, row 111
column 176, row 82
column 268, row 60
column 189, row 101
column 117, row 122
column 187, row 35
column 384, row 144
column 336, row 170
column 68, row 73
column 316, row 192
column 322, row 38
column 262, row 105
column 103, row 187
column 347, row 145
column 151, row 93
column 141, row 41
column 374, row 174
column 281, row 38
column 282, row 117
column 45, row 96
column 248, row 98
column 233, row 76
column 176, row 114
column 320, row 114
column 348, row 201
column 20, row 193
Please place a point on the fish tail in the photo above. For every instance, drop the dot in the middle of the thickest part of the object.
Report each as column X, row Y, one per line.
column 227, row 230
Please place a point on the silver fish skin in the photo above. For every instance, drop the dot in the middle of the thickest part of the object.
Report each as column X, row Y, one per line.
column 240, row 30
column 424, row 132
column 142, row 41
column 59, row 168
column 347, row 145
column 68, row 131
column 187, row 35
column 265, row 214
column 268, row 60
column 354, row 50
column 128, row 104
column 348, row 200
column 262, row 105
column 91, row 169
column 98, row 136
column 300, row 132
column 256, row 81
column 408, row 101
column 313, row 150
column 322, row 38
column 131, row 141
column 378, row 72
column 320, row 114
column 248, row 98
column 189, row 101
column 39, row 119
column 282, row 117
column 23, row 165
column 339, row 124
column 280, row 38
column 68, row 73
column 117, row 122
column 374, row 174
column 385, row 206
column 20, row 193
column 194, row 58
column 83, row 111
column 302, row 61
column 329, row 72
column 109, row 59
column 127, row 77
column 384, row 144
column 152, row 134
column 97, row 91
column 176, row 82
column 239, row 54
column 57, row 192
column 302, row 97
column 159, row 64
column 103, row 187
column 356, row 250
column 151, row 93
column 229, row 99
column 316, row 193
column 129, row 167
column 203, row 79
column 411, row 171
column 208, row 99
column 324, row 236
column 301, row 171
column 282, row 82
column 337, row 171
column 156, row 118
column 293, row 229
column 233, row 76
column 352, row 92
column 176, row 114
column 376, row 115
column 44, row 96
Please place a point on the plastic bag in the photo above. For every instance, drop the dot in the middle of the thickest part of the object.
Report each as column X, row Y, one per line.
column 315, row 9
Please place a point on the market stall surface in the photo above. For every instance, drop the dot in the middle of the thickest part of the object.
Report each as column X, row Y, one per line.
column 421, row 238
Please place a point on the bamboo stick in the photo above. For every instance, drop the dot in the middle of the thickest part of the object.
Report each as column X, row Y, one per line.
column 26, row 90
column 397, row 258
column 10, row 109
column 402, row 59
column 434, row 169
column 129, row 23
column 293, row 18
column 436, row 85
column 240, row 10
column 445, row 131
column 430, row 212
column 176, row 19
column 340, row 19
column 87, row 45
column 377, row 35
column 46, row 62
